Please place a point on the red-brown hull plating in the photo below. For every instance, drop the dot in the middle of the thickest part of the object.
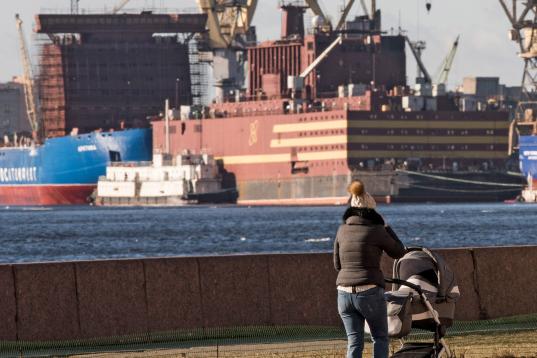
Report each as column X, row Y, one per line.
column 326, row 201
column 279, row 159
column 46, row 195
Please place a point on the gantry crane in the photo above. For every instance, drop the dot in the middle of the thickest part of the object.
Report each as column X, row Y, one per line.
column 226, row 19
column 30, row 96
column 316, row 9
column 443, row 72
column 371, row 13
column 344, row 14
column 524, row 32
column 417, row 48
column 522, row 15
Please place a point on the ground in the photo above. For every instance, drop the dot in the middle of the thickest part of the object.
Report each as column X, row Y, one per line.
column 497, row 345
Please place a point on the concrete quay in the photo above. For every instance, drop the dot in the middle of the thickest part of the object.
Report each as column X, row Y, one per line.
column 95, row 299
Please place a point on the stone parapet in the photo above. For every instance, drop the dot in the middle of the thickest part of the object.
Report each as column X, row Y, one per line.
column 93, row 299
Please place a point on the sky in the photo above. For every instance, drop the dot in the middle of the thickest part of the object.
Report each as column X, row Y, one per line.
column 484, row 49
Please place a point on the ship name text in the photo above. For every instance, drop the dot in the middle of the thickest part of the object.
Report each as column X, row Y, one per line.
column 24, row 174
column 530, row 154
column 87, row 148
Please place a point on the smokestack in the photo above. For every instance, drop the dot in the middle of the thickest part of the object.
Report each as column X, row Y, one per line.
column 292, row 21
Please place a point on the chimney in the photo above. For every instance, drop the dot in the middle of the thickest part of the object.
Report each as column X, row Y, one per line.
column 292, row 21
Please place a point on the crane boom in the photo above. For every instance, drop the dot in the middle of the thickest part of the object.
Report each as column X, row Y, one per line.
column 227, row 19
column 119, row 6
column 316, row 9
column 321, row 57
column 344, row 15
column 445, row 68
column 28, row 82
column 421, row 65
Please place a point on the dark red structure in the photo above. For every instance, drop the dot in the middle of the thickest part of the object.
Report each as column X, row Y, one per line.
column 109, row 71
column 352, row 116
column 364, row 57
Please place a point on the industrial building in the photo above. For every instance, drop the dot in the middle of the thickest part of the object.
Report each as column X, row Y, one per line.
column 112, row 71
column 375, row 59
column 13, row 118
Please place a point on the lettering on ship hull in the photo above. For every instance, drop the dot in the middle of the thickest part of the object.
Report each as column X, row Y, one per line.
column 25, row 174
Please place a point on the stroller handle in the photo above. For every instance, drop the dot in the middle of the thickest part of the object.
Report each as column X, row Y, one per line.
column 404, row 283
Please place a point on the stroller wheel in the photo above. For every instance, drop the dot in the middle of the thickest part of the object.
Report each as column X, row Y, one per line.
column 422, row 350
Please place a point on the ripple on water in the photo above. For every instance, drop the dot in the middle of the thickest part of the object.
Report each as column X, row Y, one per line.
column 70, row 233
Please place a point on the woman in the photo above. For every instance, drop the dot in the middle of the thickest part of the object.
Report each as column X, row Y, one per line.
column 359, row 244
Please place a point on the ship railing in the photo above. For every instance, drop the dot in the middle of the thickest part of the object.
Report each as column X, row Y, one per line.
column 127, row 10
column 130, row 164
column 130, row 179
column 260, row 113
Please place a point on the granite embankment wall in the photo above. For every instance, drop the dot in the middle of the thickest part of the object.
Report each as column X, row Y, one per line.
column 72, row 300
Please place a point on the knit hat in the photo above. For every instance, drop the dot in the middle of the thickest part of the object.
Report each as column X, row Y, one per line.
column 359, row 197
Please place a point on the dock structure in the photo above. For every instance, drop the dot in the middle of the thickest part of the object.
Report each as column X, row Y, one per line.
column 112, row 71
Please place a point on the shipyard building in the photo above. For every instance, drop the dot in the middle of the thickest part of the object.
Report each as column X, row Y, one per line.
column 13, row 118
column 113, row 71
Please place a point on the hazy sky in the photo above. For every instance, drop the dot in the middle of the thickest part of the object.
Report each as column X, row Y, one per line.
column 484, row 50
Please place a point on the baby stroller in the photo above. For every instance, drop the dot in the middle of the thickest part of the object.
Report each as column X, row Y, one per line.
column 423, row 296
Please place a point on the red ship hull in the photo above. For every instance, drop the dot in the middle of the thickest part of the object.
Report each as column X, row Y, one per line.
column 29, row 195
column 309, row 158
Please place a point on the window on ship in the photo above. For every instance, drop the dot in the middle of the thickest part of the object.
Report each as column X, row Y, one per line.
column 115, row 156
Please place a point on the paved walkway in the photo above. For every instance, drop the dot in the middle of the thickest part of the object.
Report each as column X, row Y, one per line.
column 507, row 344
column 286, row 350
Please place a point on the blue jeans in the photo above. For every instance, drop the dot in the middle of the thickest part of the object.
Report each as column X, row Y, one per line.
column 355, row 309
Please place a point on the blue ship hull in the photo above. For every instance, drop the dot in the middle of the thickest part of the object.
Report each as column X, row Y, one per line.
column 65, row 170
column 528, row 156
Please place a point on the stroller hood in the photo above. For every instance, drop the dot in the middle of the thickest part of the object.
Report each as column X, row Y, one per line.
column 431, row 268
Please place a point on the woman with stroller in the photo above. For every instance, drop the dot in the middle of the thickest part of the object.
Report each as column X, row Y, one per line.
column 358, row 247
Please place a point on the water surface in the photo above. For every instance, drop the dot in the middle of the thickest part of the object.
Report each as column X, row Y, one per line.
column 80, row 233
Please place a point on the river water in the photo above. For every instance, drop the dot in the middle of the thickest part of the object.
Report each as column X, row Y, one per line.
column 81, row 233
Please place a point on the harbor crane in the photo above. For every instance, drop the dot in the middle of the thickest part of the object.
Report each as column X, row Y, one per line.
column 344, row 15
column 226, row 19
column 74, row 6
column 417, row 48
column 316, row 9
column 443, row 71
column 30, row 95
column 524, row 33
column 522, row 15
column 119, row 6
column 371, row 13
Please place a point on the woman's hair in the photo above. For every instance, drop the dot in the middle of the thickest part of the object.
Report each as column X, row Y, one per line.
column 356, row 188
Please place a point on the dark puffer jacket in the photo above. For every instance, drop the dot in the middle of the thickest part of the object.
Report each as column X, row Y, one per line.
column 359, row 244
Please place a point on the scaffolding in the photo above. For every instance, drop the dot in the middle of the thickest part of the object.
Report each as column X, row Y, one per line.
column 100, row 72
column 199, row 77
column 51, row 89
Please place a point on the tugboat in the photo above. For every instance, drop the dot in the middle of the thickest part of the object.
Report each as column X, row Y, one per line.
column 185, row 179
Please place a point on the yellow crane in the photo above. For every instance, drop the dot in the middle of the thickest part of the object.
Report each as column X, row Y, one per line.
column 226, row 19
column 119, row 6
column 443, row 72
column 30, row 96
